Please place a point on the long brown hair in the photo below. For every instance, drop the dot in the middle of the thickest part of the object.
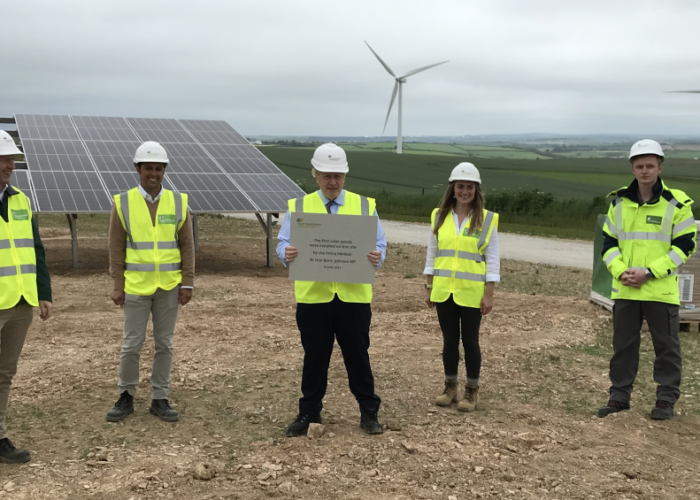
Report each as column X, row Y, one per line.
column 448, row 203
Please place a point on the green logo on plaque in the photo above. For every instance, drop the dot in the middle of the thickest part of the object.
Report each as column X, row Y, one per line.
column 166, row 219
column 20, row 215
column 654, row 219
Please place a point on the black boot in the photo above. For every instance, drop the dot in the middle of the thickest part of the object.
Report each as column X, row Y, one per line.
column 301, row 424
column 11, row 455
column 613, row 407
column 662, row 411
column 161, row 409
column 123, row 407
column 369, row 422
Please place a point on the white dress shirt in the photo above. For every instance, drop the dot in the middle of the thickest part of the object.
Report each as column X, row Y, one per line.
column 2, row 193
column 491, row 252
column 148, row 196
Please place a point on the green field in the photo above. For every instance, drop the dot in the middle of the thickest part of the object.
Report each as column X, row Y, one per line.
column 557, row 197
column 565, row 178
column 422, row 148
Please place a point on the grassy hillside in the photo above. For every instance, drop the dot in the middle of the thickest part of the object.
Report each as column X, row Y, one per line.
column 565, row 178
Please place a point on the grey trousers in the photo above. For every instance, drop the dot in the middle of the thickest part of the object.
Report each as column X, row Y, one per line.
column 164, row 305
column 14, row 323
column 664, row 325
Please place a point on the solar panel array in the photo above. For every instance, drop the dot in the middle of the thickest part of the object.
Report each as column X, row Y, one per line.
column 77, row 163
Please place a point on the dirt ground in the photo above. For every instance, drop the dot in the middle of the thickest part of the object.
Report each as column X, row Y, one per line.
column 236, row 376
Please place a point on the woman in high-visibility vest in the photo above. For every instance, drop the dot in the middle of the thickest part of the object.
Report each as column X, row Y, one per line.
column 461, row 268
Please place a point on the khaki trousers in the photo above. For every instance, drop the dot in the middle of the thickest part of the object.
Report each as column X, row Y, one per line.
column 163, row 304
column 14, row 323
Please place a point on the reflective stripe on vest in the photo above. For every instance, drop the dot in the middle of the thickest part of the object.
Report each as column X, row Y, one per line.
column 19, row 243
column 446, row 273
column 151, row 268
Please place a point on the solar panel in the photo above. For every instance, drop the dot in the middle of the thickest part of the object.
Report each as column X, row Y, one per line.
column 111, row 142
column 60, row 155
column 93, row 156
column 211, row 192
column 20, row 180
column 70, row 192
column 188, row 158
column 214, row 132
column 270, row 191
column 58, row 127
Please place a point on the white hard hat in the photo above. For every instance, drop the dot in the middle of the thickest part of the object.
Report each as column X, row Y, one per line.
column 465, row 172
column 330, row 158
column 151, row 152
column 646, row 147
column 7, row 145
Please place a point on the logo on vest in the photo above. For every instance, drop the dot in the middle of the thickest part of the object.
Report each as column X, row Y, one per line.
column 654, row 219
column 20, row 215
column 166, row 219
column 475, row 234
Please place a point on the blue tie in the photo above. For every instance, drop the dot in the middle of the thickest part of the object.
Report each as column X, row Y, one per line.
column 329, row 205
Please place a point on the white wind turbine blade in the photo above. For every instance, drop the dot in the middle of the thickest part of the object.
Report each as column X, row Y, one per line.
column 683, row 92
column 386, row 67
column 391, row 103
column 422, row 69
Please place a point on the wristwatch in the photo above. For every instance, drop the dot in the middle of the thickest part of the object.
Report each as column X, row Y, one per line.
column 649, row 274
column 428, row 287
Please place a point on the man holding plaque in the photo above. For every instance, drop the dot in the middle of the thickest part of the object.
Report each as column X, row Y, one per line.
column 326, row 311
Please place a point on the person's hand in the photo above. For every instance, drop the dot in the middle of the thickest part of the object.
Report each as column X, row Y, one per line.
column 374, row 257
column 45, row 309
column 430, row 303
column 486, row 304
column 185, row 296
column 118, row 298
column 634, row 277
column 290, row 253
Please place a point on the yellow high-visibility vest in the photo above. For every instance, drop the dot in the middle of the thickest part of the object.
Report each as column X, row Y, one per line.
column 644, row 234
column 460, row 266
column 17, row 254
column 318, row 292
column 152, row 252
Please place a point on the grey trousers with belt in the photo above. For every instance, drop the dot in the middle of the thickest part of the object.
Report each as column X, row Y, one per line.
column 163, row 304
column 664, row 325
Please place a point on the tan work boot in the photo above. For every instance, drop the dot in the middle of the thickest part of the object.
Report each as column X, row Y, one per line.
column 449, row 395
column 471, row 392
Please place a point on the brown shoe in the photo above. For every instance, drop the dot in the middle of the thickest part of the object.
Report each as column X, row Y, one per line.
column 471, row 393
column 448, row 396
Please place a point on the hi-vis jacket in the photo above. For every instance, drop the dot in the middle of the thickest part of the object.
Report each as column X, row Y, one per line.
column 460, row 267
column 317, row 292
column 658, row 235
column 17, row 254
column 152, row 251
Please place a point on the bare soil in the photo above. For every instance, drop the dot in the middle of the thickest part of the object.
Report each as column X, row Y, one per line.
column 236, row 376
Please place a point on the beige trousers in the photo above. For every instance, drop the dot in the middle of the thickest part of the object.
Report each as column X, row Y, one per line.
column 14, row 323
column 163, row 305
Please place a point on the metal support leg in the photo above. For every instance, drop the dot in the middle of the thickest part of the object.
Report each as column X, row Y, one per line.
column 195, row 232
column 267, row 227
column 270, row 249
column 73, row 224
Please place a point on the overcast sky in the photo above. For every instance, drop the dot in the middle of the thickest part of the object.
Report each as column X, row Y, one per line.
column 301, row 67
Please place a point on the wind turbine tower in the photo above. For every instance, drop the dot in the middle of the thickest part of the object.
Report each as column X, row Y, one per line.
column 398, row 87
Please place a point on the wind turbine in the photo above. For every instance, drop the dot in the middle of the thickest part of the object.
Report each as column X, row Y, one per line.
column 398, row 87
